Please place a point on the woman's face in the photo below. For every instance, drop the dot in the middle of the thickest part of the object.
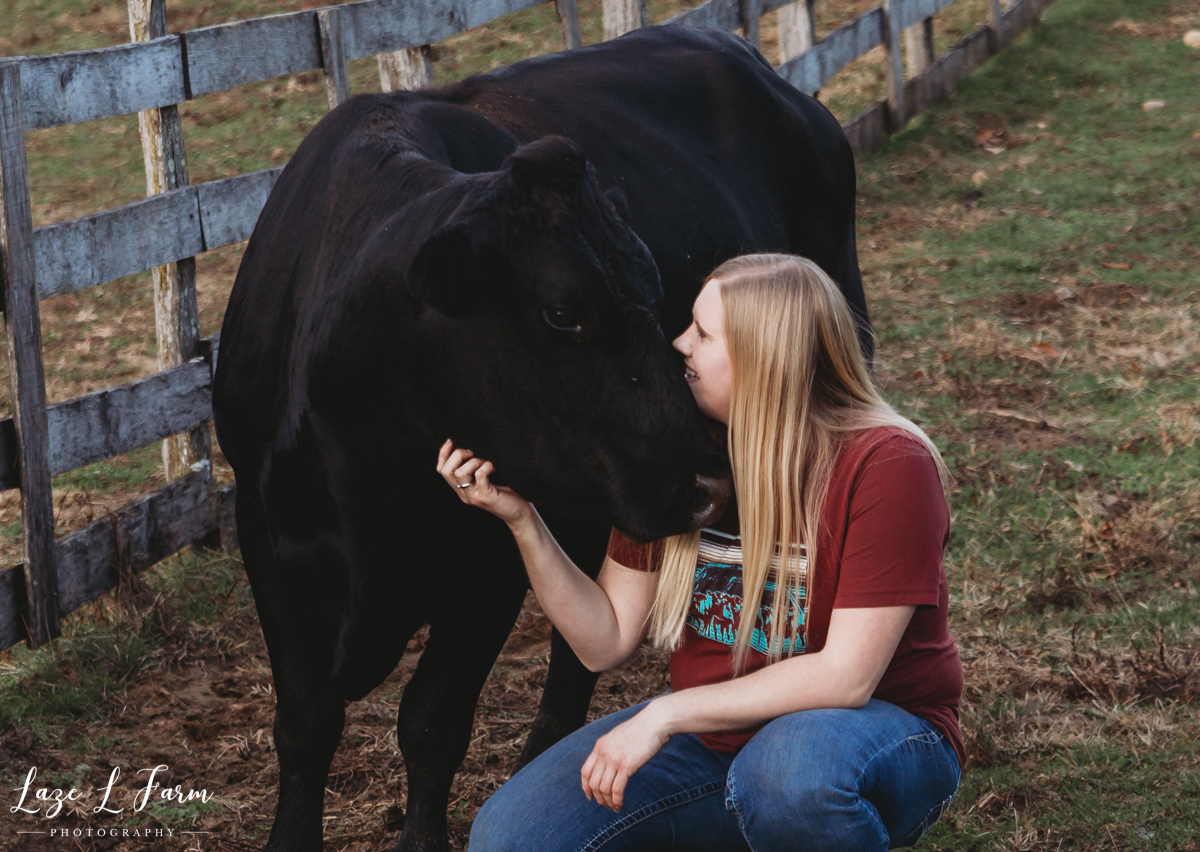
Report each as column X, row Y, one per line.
column 705, row 356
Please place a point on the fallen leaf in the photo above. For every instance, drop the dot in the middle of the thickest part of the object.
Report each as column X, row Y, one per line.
column 1192, row 39
column 1046, row 350
column 979, row 177
column 991, row 139
column 1151, row 106
column 1108, row 265
column 1105, row 531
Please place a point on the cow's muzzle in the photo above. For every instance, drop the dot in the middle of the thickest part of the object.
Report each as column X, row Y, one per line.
column 714, row 497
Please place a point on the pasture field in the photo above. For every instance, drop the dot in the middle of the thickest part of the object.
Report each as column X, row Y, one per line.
column 1031, row 252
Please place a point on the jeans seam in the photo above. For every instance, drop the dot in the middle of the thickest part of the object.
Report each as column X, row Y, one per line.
column 731, row 802
column 927, row 823
column 678, row 798
column 892, row 746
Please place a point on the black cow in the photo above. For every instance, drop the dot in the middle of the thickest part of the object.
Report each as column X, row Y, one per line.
column 445, row 263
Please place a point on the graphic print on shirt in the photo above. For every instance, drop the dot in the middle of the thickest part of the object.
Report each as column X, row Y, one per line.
column 717, row 599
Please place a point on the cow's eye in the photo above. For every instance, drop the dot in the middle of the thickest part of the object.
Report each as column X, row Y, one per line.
column 562, row 319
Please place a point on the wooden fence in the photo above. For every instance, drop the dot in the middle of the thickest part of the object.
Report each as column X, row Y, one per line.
column 178, row 221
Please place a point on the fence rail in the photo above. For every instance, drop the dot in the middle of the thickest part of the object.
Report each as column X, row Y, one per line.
column 178, row 221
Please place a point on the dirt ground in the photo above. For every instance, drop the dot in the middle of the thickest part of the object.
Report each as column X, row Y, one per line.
column 208, row 714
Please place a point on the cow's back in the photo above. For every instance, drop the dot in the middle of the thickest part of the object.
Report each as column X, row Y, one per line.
column 716, row 154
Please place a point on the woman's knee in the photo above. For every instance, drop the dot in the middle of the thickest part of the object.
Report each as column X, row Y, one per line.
column 796, row 785
column 495, row 828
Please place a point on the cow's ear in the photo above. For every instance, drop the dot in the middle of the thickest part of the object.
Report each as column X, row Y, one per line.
column 619, row 200
column 444, row 274
column 553, row 161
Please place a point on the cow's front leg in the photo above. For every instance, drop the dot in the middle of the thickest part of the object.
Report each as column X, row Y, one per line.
column 438, row 707
column 565, row 700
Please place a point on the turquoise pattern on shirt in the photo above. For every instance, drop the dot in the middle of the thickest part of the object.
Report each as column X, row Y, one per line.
column 717, row 605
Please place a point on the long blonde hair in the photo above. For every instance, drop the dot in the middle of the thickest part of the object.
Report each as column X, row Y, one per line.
column 800, row 387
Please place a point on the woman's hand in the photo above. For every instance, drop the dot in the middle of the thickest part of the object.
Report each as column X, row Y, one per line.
column 469, row 476
column 620, row 753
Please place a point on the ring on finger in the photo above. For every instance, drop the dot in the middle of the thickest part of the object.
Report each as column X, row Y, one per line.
column 464, row 485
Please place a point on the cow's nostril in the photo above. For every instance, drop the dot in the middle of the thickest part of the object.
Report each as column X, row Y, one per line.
column 715, row 492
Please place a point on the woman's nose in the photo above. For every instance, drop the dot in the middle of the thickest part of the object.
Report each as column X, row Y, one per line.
column 680, row 342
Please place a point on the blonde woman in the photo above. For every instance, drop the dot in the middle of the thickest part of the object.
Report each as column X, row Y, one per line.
column 829, row 720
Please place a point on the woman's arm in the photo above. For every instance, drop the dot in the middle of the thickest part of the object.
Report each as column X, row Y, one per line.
column 605, row 620
column 843, row 674
column 859, row 646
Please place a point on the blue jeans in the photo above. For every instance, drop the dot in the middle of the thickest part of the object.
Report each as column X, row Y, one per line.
column 863, row 780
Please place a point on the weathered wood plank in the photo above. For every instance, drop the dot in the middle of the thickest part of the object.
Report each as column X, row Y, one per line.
column 406, row 70
column 893, row 14
column 209, row 349
column 918, row 46
column 124, row 417
column 113, row 421
column 10, row 473
column 333, row 57
column 623, row 16
column 749, row 11
column 717, row 14
column 371, row 27
column 227, row 55
column 811, row 70
column 937, row 81
column 1021, row 15
column 12, row 592
column 229, row 208
column 133, row 538
column 109, row 422
column 176, row 312
column 867, row 130
column 27, row 378
column 82, row 253
column 912, row 12
column 84, row 85
column 996, row 24
column 797, row 28
column 568, row 22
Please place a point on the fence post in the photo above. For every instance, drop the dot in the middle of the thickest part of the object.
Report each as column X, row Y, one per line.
column 333, row 56
column 568, row 22
column 749, row 13
column 996, row 39
column 797, row 28
column 27, row 376
column 919, row 46
column 623, row 16
column 895, row 64
column 176, row 314
column 405, row 70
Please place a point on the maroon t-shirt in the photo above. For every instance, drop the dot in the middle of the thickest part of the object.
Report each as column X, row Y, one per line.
column 884, row 527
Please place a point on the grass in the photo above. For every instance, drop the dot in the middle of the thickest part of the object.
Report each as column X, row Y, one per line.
column 1029, row 251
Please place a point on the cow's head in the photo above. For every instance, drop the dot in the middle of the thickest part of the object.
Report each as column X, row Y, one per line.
column 540, row 349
